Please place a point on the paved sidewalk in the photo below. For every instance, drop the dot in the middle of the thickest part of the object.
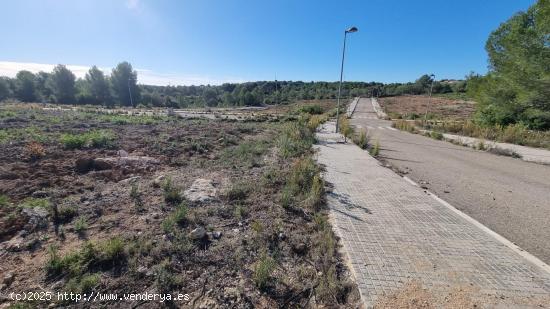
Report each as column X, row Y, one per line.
column 394, row 232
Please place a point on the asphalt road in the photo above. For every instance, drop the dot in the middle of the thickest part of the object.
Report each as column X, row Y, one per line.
column 510, row 196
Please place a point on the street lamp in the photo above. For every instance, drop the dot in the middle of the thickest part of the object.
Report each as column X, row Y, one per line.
column 130, row 92
column 429, row 99
column 350, row 30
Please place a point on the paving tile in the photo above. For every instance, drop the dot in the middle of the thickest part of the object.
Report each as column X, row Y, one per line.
column 393, row 232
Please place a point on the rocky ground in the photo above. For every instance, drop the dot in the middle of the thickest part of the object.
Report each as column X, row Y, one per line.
column 131, row 204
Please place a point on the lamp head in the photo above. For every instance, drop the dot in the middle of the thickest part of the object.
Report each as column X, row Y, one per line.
column 351, row 30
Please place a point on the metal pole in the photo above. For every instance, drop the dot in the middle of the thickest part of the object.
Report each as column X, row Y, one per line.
column 429, row 100
column 130, row 92
column 340, row 86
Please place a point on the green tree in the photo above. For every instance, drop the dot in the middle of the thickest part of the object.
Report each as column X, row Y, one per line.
column 42, row 89
column 124, row 82
column 62, row 83
column 98, row 86
column 5, row 91
column 517, row 87
column 24, row 86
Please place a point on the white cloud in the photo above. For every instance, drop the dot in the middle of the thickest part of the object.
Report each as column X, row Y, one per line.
column 148, row 77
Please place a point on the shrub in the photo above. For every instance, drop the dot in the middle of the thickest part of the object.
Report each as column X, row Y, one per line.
column 295, row 140
column 404, row 125
column 315, row 121
column 361, row 140
column 92, row 139
column 345, row 127
column 4, row 200
column 240, row 212
column 263, row 270
column 35, row 150
column 80, row 226
column 238, row 191
column 171, row 192
column 375, row 151
column 311, row 109
column 178, row 217
column 436, row 135
column 32, row 202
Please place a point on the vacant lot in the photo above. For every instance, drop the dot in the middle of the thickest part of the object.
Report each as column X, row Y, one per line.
column 228, row 212
column 414, row 106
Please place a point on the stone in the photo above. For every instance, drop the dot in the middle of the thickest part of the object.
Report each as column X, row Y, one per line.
column 8, row 278
column 157, row 182
column 130, row 161
column 39, row 194
column 122, row 153
column 38, row 218
column 84, row 165
column 130, row 180
column 202, row 190
column 197, row 233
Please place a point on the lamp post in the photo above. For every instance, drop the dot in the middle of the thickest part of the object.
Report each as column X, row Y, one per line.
column 350, row 30
column 429, row 99
column 130, row 92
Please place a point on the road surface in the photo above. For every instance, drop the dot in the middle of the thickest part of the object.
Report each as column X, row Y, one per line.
column 508, row 195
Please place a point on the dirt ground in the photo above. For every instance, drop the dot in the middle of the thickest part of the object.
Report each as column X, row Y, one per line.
column 414, row 106
column 160, row 205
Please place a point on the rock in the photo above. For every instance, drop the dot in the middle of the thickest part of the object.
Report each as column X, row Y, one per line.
column 281, row 236
column 130, row 180
column 122, row 153
column 8, row 278
column 216, row 234
column 130, row 161
column 300, row 248
column 39, row 194
column 15, row 244
column 38, row 218
column 202, row 190
column 157, row 182
column 197, row 233
column 84, row 165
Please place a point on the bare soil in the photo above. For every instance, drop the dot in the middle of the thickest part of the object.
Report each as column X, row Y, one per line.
column 242, row 220
column 415, row 106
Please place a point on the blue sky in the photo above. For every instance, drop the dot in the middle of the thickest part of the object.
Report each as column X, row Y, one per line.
column 207, row 41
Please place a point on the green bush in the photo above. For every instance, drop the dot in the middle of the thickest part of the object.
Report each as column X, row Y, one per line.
column 263, row 270
column 92, row 139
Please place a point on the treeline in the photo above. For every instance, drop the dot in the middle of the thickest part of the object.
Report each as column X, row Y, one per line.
column 517, row 88
column 61, row 86
column 121, row 88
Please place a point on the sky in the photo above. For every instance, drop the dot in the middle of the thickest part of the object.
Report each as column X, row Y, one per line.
column 183, row 42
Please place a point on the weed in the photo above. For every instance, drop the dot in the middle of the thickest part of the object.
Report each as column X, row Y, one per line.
column 32, row 202
column 35, row 150
column 286, row 197
column 375, row 151
column 404, row 125
column 295, row 140
column 4, row 200
column 238, row 191
column 135, row 194
column 171, row 193
column 315, row 121
column 92, row 139
column 240, row 212
column 263, row 270
column 345, row 128
column 311, row 109
column 178, row 217
column 481, row 146
column 436, row 135
column 314, row 197
column 83, row 284
column 257, row 227
column 80, row 226
column 66, row 214
column 361, row 140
